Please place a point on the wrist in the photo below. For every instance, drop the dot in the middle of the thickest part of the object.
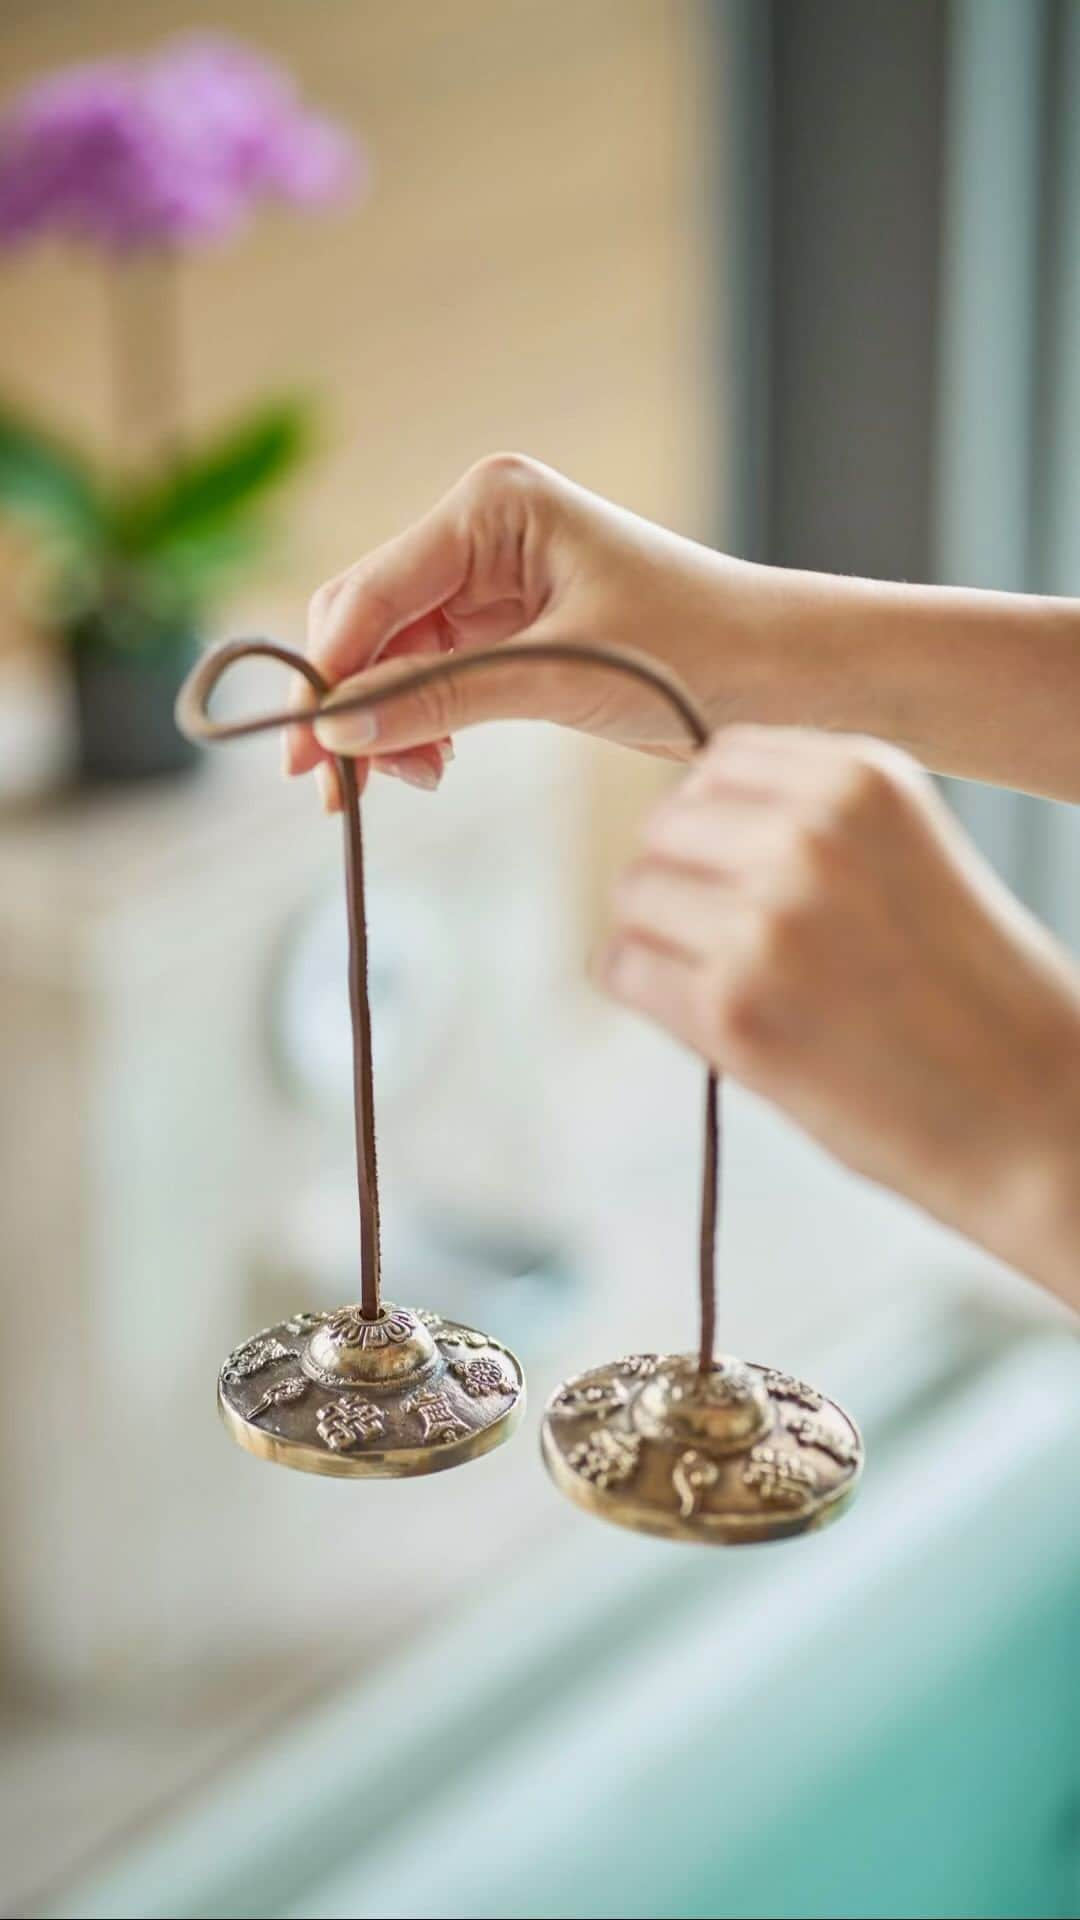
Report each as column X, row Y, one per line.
column 789, row 649
column 1039, row 1230
column 1027, row 1211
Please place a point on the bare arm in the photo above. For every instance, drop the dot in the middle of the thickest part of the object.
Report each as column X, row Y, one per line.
column 985, row 685
column 803, row 912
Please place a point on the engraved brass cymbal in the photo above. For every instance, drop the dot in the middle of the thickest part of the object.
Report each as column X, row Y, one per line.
column 685, row 1447
column 405, row 1393
column 743, row 1453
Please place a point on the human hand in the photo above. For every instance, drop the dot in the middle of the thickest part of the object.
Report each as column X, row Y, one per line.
column 806, row 914
column 515, row 551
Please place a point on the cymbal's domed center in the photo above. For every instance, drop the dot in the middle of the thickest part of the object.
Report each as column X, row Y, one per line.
column 347, row 1350
column 729, row 1407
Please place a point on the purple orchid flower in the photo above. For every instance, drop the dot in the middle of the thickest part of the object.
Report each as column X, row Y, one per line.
column 172, row 150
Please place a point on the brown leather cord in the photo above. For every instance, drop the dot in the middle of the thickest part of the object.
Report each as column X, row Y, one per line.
column 194, row 720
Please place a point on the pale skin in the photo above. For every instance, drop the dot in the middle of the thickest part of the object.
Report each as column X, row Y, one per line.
column 802, row 911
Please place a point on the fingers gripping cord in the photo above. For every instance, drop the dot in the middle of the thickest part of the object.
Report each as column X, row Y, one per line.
column 194, row 720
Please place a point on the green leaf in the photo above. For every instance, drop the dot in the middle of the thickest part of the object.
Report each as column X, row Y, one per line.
column 209, row 492
column 46, row 483
column 189, row 572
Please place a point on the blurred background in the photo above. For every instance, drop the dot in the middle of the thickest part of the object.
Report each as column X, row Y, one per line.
column 797, row 277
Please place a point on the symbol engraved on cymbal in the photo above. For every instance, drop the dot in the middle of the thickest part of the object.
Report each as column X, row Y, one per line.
column 638, row 1366
column 440, row 1421
column 701, row 1455
column 726, row 1386
column 463, row 1337
column 814, row 1433
column 342, row 1423
column 387, row 1412
column 305, row 1322
column 606, row 1458
column 278, row 1396
column 676, row 1423
column 782, row 1479
column 692, row 1474
column 348, row 1328
column 784, row 1386
column 600, row 1398
column 482, row 1376
column 254, row 1355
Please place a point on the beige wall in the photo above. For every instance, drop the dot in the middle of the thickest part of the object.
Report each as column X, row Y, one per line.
column 530, row 270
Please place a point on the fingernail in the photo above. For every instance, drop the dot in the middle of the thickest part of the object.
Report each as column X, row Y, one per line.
column 350, row 734
column 418, row 773
column 286, row 753
column 446, row 748
column 327, row 785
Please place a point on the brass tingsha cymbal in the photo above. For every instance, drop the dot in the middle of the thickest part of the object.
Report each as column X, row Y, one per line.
column 406, row 1393
column 739, row 1454
column 688, row 1447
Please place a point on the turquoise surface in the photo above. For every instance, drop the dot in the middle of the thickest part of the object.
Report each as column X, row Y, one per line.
column 880, row 1720
column 969, row 1805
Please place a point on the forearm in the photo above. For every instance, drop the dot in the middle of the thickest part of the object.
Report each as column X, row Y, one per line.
column 1042, row 1236
column 983, row 685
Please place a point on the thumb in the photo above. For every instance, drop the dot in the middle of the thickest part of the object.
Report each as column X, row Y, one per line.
column 415, row 702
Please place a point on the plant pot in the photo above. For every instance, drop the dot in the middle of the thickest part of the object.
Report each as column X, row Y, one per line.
column 124, row 703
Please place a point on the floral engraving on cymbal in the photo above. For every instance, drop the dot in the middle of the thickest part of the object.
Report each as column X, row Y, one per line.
column 784, row 1386
column 638, row 1366
column 781, row 1479
column 600, row 1398
column 348, row 1328
column 606, row 1458
column 814, row 1433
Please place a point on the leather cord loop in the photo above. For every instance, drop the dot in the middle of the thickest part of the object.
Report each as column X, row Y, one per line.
column 194, row 720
